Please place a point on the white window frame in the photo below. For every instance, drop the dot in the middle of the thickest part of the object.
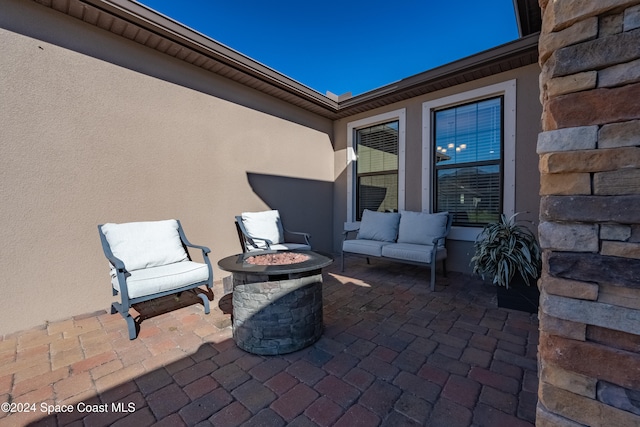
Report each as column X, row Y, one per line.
column 505, row 89
column 400, row 116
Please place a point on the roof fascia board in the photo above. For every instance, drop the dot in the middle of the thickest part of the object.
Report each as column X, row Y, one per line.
column 513, row 48
column 516, row 10
column 154, row 22
column 138, row 14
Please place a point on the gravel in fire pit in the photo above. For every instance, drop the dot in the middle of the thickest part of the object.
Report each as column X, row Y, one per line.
column 280, row 258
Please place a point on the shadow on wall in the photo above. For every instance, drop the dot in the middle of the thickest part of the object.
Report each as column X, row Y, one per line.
column 305, row 205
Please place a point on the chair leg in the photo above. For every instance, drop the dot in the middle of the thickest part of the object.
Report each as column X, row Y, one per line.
column 205, row 301
column 444, row 267
column 131, row 323
column 342, row 264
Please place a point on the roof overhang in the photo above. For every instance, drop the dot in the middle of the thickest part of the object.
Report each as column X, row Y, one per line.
column 138, row 23
column 528, row 16
column 519, row 53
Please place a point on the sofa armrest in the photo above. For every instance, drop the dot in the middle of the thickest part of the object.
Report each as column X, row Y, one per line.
column 350, row 227
column 436, row 240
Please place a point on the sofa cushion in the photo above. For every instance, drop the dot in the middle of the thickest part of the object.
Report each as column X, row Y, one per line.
column 421, row 228
column 164, row 278
column 412, row 252
column 364, row 247
column 265, row 225
column 381, row 226
column 145, row 244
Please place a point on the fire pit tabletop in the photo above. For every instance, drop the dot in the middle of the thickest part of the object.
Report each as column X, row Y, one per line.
column 238, row 263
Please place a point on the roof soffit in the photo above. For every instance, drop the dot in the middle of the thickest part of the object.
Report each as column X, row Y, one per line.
column 140, row 24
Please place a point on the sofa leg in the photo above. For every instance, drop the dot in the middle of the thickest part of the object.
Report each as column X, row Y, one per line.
column 368, row 262
column 433, row 277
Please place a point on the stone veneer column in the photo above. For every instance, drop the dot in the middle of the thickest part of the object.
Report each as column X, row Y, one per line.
column 589, row 352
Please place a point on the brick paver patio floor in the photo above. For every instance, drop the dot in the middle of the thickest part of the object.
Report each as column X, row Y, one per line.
column 392, row 354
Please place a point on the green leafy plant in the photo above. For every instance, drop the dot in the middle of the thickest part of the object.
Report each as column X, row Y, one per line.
column 504, row 247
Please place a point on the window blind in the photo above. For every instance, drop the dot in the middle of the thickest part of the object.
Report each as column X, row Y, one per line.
column 377, row 168
column 468, row 155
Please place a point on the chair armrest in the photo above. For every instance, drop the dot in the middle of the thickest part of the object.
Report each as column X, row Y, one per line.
column 306, row 236
column 250, row 239
column 266, row 241
column 205, row 250
column 116, row 262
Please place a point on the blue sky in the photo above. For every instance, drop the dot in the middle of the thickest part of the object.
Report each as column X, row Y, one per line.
column 349, row 46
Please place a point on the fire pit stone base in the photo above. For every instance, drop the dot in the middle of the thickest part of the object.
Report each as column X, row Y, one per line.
column 277, row 316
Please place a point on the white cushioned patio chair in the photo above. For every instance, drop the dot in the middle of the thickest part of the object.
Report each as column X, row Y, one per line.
column 150, row 260
column 260, row 231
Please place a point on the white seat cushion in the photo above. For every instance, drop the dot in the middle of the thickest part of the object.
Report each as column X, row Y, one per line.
column 364, row 247
column 412, row 252
column 145, row 244
column 265, row 225
column 283, row 247
column 421, row 228
column 163, row 278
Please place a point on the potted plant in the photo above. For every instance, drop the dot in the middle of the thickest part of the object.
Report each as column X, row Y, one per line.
column 509, row 254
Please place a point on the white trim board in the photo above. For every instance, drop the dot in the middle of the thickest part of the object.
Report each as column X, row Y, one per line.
column 400, row 116
column 508, row 90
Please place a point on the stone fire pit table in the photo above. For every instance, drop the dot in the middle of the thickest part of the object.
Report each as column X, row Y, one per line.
column 277, row 309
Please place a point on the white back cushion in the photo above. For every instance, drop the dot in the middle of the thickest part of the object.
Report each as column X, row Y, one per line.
column 381, row 226
column 145, row 244
column 266, row 225
column 421, row 228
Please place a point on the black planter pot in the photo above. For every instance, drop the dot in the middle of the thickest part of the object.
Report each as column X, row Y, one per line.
column 519, row 296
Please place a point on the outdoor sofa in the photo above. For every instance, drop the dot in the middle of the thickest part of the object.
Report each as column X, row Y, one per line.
column 405, row 236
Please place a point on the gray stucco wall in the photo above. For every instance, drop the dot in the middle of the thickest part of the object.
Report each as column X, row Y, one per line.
column 95, row 128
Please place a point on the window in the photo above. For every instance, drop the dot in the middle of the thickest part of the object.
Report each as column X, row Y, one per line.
column 468, row 161
column 376, row 164
column 468, row 179
column 377, row 168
